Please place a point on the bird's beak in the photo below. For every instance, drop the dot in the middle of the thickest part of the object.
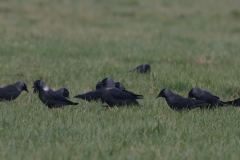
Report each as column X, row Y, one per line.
column 68, row 97
column 157, row 96
column 26, row 90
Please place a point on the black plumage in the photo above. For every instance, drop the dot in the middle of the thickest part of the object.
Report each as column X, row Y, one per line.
column 49, row 97
column 115, row 97
column 235, row 102
column 12, row 91
column 144, row 68
column 202, row 95
column 62, row 91
column 179, row 103
column 96, row 95
column 92, row 95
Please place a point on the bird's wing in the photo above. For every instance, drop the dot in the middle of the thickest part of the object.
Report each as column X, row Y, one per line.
column 187, row 102
column 192, row 103
column 120, row 95
column 59, row 92
column 135, row 95
column 8, row 91
column 92, row 95
column 57, row 97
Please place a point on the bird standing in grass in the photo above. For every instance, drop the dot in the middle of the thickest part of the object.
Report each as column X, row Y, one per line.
column 49, row 97
column 62, row 91
column 202, row 95
column 179, row 103
column 144, row 68
column 12, row 91
column 96, row 95
column 115, row 97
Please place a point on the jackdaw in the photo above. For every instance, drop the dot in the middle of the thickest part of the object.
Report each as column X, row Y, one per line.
column 115, row 97
column 12, row 91
column 202, row 95
column 235, row 102
column 120, row 86
column 179, row 103
column 144, row 68
column 62, row 91
column 96, row 95
column 49, row 97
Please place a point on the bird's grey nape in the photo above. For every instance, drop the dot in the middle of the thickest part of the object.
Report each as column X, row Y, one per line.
column 110, row 83
column 196, row 92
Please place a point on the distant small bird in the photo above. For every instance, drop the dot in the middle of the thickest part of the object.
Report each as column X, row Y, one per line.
column 179, row 103
column 144, row 68
column 62, row 91
column 202, row 95
column 12, row 91
column 235, row 102
column 115, row 97
column 49, row 97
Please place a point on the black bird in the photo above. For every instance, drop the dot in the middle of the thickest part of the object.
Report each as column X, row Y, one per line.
column 98, row 86
column 49, row 97
column 202, row 95
column 144, row 68
column 235, row 102
column 96, row 95
column 12, row 91
column 115, row 97
column 92, row 95
column 120, row 86
column 62, row 91
column 179, row 103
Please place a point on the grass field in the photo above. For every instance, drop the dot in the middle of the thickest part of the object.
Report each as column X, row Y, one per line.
column 75, row 44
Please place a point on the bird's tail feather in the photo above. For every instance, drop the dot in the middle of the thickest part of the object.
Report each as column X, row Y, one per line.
column 82, row 96
column 228, row 102
column 135, row 95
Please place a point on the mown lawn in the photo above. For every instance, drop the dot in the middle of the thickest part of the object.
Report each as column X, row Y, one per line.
column 75, row 44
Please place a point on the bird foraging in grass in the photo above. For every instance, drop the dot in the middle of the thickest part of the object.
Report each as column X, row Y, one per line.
column 49, row 97
column 144, row 68
column 96, row 95
column 12, row 91
column 115, row 97
column 62, row 91
column 202, row 95
column 179, row 103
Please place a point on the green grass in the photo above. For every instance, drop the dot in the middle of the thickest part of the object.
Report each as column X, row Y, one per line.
column 75, row 44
